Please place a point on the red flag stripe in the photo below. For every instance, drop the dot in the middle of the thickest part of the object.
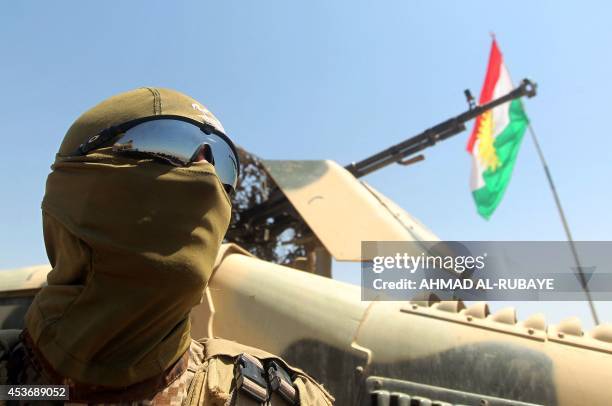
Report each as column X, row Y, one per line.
column 495, row 60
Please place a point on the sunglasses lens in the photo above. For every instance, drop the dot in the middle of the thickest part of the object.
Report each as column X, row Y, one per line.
column 180, row 142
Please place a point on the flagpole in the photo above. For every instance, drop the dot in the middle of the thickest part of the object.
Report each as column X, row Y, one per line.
column 565, row 225
column 568, row 233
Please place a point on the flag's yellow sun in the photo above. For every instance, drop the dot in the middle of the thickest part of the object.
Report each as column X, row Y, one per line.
column 486, row 150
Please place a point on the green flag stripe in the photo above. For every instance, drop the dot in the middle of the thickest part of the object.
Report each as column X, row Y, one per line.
column 507, row 145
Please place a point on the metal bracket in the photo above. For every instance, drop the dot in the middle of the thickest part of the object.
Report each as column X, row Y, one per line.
column 281, row 382
column 250, row 377
column 413, row 160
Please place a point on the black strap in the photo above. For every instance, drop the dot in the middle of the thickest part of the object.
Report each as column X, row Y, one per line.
column 250, row 377
column 104, row 137
column 98, row 140
column 271, row 385
column 281, row 382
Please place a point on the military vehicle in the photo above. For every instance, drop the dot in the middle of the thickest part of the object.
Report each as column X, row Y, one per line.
column 272, row 288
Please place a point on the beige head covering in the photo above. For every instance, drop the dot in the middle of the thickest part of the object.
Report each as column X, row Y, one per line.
column 132, row 243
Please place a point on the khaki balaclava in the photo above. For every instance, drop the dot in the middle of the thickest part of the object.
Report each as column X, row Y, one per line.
column 132, row 243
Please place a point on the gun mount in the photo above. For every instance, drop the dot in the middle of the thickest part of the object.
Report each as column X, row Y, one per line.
column 260, row 222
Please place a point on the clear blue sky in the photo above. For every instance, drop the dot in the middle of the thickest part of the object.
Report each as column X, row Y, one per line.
column 321, row 79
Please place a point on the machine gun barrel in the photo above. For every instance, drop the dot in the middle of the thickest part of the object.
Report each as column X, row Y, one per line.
column 278, row 203
column 432, row 135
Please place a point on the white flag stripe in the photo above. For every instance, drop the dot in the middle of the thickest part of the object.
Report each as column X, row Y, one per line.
column 476, row 180
column 501, row 119
column 501, row 114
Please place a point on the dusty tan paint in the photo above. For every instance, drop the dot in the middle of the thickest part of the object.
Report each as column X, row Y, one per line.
column 277, row 298
column 271, row 306
column 23, row 279
column 343, row 212
column 417, row 229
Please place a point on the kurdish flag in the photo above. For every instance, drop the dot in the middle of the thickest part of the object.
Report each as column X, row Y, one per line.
column 496, row 138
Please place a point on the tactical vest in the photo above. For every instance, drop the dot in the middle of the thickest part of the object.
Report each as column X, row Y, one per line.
column 218, row 373
column 234, row 374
